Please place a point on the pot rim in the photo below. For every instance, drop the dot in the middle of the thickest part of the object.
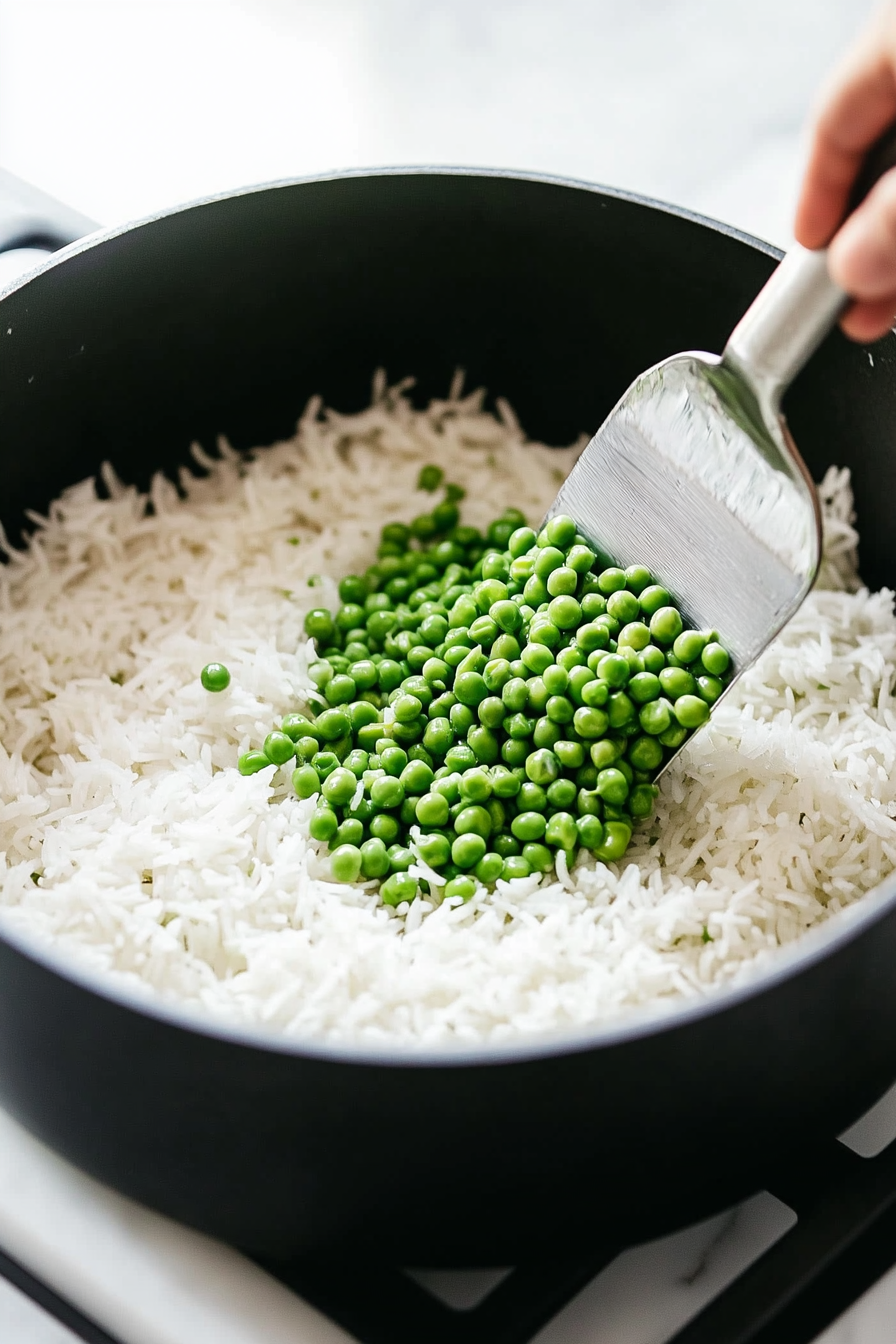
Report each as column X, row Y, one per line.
column 812, row 947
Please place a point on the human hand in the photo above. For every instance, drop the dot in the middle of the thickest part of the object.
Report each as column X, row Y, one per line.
column 859, row 104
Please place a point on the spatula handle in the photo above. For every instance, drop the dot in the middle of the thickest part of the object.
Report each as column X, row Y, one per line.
column 800, row 304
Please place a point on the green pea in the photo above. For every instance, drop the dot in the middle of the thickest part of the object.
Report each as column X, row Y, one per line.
column 319, row 626
column 506, row 615
column 374, row 859
column 653, row 598
column 215, row 677
column 442, row 705
column 345, row 863
column 496, row 675
column 688, row 645
column 666, row 625
column 379, row 625
column 485, row 744
column 514, row 752
column 562, row 582
column 350, row 832
column 614, row 670
column 515, row 866
column 325, row 762
column 438, row 736
column 546, row 733
column 637, row 577
column 645, row 686
column 547, row 560
column 542, row 767
column 397, row 888
column 501, row 782
column 463, row 613
column 436, row 673
column 333, row 724
column 407, row 708
column 593, row 605
column 393, row 758
column 590, row 831
column 368, row 736
column 506, row 845
column 522, row 568
column 400, row 857
column 542, row 631
column 306, row 781
column 580, row 558
column 616, row 838
column 586, row 775
column 561, row 831
column 676, row 681
column 484, row 630
column 470, row 688
column 387, row 793
column 384, row 827
column 673, row 737
column 612, row 786
column 528, row 826
column 416, row 778
column 645, row 753
column 620, row 710
column 690, row 711
column 323, row 825
column 434, row 850
column 432, row 810
column 448, row 784
column 520, row 541
column 461, row 757
column 433, row 630
column 476, row 786
column 561, row 530
column 468, row 849
column 389, row 675
column 641, row 799
column 515, row 695
column 565, row 614
column 357, row 761
column 492, row 711
column 251, row 762
column 339, row 787
column 579, row 678
column 430, row 477
column 611, row 580
column 653, row 658
column 715, row 659
column 461, row 718
column 623, row 606
column 473, row 820
column 505, row 647
column 635, row 635
column 708, row 689
column 461, row 886
column 561, row 795
column 279, row 748
column 536, row 657
column 590, row 722
column 361, row 713
column 570, row 754
column 559, row 709
column 489, row 868
column 539, row 857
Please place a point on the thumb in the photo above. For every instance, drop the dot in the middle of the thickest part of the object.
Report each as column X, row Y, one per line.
column 862, row 257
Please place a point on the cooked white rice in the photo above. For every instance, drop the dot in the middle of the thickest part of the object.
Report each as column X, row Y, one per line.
column 129, row 838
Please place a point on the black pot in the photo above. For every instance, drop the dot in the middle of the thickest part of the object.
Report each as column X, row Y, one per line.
column 225, row 317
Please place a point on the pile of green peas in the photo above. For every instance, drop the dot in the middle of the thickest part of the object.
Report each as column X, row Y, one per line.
column 492, row 698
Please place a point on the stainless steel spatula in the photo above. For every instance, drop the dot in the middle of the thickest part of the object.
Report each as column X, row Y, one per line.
column 695, row 474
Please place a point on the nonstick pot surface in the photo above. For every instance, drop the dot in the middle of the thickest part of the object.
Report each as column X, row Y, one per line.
column 224, row 318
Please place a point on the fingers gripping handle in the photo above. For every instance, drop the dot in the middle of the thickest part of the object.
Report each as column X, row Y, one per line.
column 800, row 304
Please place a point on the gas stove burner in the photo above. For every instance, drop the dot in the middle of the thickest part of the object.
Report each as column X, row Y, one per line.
column 842, row 1241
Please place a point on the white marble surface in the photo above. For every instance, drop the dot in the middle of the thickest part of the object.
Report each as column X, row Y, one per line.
column 123, row 106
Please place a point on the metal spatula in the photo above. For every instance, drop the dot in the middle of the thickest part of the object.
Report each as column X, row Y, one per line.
column 695, row 474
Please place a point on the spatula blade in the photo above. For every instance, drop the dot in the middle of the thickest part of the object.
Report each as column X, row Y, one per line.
column 685, row 477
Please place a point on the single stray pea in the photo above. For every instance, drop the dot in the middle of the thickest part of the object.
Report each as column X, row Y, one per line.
column 215, row 677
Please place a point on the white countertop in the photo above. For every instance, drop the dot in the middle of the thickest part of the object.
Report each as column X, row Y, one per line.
column 122, row 106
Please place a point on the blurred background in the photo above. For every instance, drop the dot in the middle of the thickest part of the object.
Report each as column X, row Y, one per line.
column 121, row 107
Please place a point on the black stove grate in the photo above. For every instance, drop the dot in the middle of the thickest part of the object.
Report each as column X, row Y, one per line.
column 843, row 1242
